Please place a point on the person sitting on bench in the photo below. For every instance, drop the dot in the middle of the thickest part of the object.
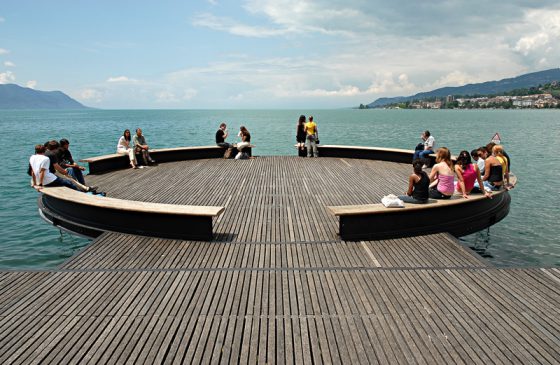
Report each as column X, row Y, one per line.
column 418, row 185
column 245, row 142
column 124, row 148
column 40, row 171
column 429, row 145
column 54, row 155
column 140, row 146
column 221, row 135
column 67, row 162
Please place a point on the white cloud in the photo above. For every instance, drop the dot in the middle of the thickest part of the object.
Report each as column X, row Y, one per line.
column 370, row 20
column 281, row 78
column 4, row 51
column 386, row 83
column 121, row 79
column 236, row 28
column 371, row 49
column 375, row 48
column 7, row 77
column 527, row 44
column 326, row 17
column 175, row 95
column 355, row 73
column 541, row 32
column 454, row 78
column 125, row 92
column 91, row 95
column 376, row 18
column 342, row 79
column 166, row 96
column 2, row 20
column 289, row 18
column 9, row 64
column 347, row 90
column 31, row 84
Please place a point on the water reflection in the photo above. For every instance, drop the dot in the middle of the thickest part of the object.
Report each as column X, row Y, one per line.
column 479, row 242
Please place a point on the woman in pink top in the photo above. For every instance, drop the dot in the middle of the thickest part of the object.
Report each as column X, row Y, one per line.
column 467, row 174
column 442, row 175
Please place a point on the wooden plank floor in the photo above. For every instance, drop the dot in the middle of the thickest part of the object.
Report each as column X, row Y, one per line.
column 119, row 251
column 268, row 199
column 277, row 285
column 137, row 299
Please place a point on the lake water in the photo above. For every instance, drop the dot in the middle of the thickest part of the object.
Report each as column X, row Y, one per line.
column 528, row 236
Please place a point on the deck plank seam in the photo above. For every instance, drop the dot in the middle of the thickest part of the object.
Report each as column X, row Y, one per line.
column 280, row 269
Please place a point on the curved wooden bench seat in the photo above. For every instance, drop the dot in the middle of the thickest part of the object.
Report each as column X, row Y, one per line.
column 85, row 213
column 457, row 198
column 372, row 153
column 115, row 161
column 458, row 216
column 99, row 164
column 104, row 163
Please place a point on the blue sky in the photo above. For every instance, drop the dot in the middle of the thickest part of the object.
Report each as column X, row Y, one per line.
column 269, row 53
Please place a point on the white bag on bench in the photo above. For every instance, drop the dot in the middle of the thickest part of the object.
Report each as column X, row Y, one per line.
column 392, row 201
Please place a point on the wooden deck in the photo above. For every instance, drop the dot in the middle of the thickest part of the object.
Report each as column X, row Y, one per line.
column 268, row 199
column 277, row 285
column 133, row 253
column 138, row 299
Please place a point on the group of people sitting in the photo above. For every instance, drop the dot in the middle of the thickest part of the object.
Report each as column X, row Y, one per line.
column 489, row 172
column 53, row 165
column 307, row 135
column 131, row 146
column 243, row 150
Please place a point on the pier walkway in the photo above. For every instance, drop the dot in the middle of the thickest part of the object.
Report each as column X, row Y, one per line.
column 415, row 300
column 277, row 285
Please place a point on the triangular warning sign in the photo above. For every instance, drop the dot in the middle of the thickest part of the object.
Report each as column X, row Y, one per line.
column 496, row 138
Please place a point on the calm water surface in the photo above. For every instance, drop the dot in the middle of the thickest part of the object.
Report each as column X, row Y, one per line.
column 528, row 236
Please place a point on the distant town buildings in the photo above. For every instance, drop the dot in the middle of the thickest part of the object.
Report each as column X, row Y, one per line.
column 538, row 101
column 539, row 97
column 526, row 101
column 427, row 105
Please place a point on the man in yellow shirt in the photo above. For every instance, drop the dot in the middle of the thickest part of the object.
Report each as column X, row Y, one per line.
column 312, row 135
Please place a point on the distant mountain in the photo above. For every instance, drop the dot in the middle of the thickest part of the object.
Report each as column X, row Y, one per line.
column 16, row 97
column 485, row 88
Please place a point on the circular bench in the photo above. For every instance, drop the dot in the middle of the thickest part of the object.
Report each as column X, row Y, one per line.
column 99, row 164
column 458, row 216
column 90, row 215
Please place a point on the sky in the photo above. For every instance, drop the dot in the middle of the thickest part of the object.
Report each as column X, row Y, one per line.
column 257, row 54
